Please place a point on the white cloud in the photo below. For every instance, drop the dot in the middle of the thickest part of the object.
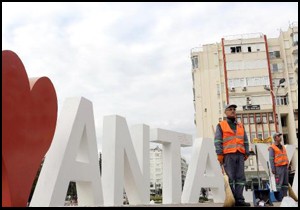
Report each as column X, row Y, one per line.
column 131, row 59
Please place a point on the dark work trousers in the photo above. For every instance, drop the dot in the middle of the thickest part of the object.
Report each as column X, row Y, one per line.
column 282, row 179
column 234, row 167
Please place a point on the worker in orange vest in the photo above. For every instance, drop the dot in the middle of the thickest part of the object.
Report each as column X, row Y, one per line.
column 279, row 165
column 232, row 148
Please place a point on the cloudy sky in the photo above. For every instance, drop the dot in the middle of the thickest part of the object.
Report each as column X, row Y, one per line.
column 130, row 59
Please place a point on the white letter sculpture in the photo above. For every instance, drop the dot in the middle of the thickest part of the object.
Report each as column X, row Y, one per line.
column 122, row 157
column 73, row 156
column 204, row 171
column 171, row 142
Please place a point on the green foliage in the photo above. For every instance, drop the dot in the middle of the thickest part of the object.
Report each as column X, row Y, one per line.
column 156, row 198
column 202, row 199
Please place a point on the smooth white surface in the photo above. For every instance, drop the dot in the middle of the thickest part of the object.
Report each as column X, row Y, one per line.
column 72, row 156
column 171, row 141
column 125, row 162
column 204, row 171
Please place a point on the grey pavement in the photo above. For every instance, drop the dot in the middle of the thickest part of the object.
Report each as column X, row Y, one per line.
column 205, row 204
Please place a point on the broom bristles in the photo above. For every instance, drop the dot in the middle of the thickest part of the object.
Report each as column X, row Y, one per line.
column 229, row 198
column 292, row 193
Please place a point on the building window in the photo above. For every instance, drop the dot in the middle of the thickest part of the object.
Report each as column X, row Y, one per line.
column 283, row 121
column 251, row 117
column 195, row 62
column 282, row 100
column 257, row 118
column 274, row 67
column 256, row 81
column 295, row 39
column 249, row 49
column 264, row 118
column 236, row 49
column 238, row 118
column 245, row 118
column 275, row 54
column 270, row 116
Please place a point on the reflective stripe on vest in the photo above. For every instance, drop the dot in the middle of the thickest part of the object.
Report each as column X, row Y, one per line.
column 280, row 158
column 232, row 142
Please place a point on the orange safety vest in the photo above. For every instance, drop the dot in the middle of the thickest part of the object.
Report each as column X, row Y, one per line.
column 280, row 158
column 232, row 142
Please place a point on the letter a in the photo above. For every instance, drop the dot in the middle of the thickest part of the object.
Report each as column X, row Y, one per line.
column 73, row 156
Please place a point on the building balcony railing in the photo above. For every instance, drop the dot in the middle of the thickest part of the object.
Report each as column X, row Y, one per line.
column 295, row 43
column 196, row 49
column 296, row 62
column 244, row 36
column 295, row 49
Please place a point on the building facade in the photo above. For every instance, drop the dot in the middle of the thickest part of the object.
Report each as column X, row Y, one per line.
column 258, row 74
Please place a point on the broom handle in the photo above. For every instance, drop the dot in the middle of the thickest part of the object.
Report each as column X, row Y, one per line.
column 259, row 184
column 270, row 181
column 223, row 170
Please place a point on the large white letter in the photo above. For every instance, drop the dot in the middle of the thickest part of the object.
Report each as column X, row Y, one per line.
column 203, row 171
column 120, row 160
column 73, row 156
column 171, row 142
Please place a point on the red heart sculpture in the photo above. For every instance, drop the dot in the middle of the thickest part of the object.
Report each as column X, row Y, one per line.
column 29, row 114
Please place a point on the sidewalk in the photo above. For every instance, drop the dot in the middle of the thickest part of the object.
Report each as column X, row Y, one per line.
column 205, row 204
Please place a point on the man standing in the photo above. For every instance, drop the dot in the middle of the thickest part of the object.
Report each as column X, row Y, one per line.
column 232, row 148
column 279, row 165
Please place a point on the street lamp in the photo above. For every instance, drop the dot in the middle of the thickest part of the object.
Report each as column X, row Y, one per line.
column 282, row 80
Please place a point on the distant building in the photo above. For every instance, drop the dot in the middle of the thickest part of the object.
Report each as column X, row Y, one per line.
column 258, row 74
column 156, row 170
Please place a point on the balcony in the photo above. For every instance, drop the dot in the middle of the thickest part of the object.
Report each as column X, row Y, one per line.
column 295, row 47
column 296, row 62
column 295, row 43
column 296, row 65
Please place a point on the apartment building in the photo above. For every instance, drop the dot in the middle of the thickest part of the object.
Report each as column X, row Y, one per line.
column 257, row 73
column 156, row 170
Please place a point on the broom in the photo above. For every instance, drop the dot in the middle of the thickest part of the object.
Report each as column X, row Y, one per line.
column 292, row 193
column 229, row 198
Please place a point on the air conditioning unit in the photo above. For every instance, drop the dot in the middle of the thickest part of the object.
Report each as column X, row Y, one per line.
column 232, row 89
column 244, row 88
column 258, row 121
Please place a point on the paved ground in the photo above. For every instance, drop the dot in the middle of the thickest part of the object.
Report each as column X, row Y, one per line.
column 205, row 204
